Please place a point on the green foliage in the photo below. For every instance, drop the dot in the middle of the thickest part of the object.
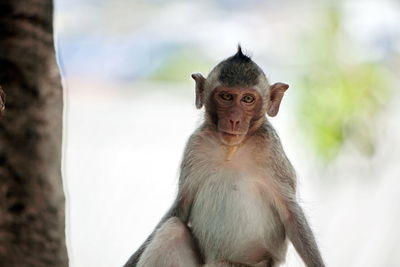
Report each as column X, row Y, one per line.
column 339, row 97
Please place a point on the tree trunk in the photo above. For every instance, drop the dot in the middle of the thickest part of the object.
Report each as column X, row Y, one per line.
column 32, row 228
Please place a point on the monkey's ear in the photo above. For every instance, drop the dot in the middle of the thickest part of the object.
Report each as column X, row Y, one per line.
column 200, row 80
column 276, row 92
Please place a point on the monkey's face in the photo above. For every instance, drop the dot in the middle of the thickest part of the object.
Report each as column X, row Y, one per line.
column 235, row 110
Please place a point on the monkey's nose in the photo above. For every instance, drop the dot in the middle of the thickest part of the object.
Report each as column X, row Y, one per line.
column 234, row 124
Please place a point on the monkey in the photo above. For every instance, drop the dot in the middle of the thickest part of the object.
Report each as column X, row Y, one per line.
column 236, row 203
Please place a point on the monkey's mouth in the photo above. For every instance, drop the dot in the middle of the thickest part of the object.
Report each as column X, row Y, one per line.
column 230, row 134
column 231, row 138
column 233, row 133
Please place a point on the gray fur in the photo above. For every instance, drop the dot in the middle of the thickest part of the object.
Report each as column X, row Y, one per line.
column 227, row 217
column 233, row 211
column 237, row 212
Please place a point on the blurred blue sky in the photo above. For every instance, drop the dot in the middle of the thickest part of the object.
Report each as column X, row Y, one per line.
column 131, row 40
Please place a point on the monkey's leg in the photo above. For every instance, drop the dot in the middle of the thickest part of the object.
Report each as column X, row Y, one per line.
column 226, row 264
column 266, row 263
column 172, row 246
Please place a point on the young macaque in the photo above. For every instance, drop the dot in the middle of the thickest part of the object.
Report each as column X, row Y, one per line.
column 236, row 203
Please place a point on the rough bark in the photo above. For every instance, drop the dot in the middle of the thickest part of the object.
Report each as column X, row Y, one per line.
column 32, row 228
column 2, row 101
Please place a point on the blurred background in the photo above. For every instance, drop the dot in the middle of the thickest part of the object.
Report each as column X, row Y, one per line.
column 129, row 110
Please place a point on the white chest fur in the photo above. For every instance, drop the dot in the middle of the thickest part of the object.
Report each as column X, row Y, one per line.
column 231, row 208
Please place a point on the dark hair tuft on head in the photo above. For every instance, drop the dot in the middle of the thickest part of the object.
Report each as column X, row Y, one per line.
column 239, row 70
column 239, row 50
column 239, row 56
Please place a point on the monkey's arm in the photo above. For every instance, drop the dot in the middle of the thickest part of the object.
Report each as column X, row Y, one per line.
column 293, row 218
column 300, row 234
column 290, row 212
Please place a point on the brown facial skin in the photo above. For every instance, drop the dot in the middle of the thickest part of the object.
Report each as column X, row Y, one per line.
column 236, row 109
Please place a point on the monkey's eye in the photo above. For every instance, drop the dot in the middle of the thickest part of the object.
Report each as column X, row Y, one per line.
column 226, row 96
column 248, row 99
